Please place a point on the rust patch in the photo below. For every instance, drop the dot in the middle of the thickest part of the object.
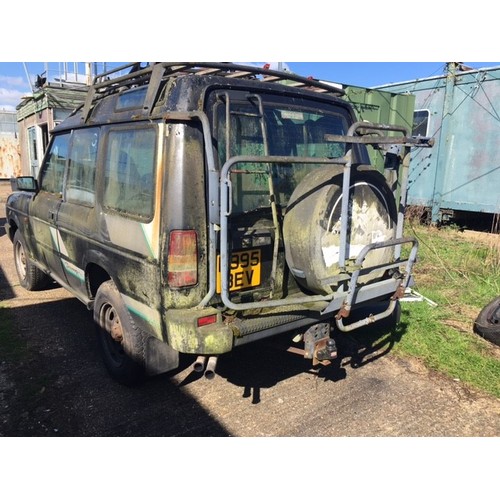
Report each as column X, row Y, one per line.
column 10, row 159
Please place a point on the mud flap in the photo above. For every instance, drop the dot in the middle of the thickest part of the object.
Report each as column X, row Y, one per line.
column 160, row 357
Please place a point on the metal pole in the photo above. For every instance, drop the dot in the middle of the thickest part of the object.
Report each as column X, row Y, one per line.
column 28, row 77
column 445, row 143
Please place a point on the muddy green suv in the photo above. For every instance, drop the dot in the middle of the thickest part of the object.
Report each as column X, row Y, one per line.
column 197, row 207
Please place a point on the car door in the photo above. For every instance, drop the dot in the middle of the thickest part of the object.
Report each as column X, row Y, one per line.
column 45, row 206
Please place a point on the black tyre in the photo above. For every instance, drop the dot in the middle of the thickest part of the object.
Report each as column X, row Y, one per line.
column 487, row 323
column 122, row 343
column 30, row 276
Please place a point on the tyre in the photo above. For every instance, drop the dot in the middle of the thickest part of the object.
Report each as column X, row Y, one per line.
column 487, row 323
column 30, row 276
column 312, row 225
column 122, row 343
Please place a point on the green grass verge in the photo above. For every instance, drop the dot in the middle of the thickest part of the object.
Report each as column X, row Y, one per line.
column 461, row 274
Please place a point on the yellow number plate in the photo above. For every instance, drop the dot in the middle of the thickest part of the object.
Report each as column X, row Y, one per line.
column 244, row 270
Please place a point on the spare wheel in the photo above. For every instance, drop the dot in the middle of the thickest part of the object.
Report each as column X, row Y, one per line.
column 311, row 227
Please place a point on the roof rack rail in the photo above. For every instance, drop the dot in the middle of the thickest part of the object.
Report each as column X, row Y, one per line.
column 135, row 75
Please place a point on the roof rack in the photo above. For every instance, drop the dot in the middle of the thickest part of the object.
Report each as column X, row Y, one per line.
column 115, row 80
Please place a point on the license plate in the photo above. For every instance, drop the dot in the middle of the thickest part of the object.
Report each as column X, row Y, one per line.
column 244, row 270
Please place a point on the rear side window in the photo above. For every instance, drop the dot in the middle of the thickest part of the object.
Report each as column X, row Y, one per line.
column 82, row 166
column 52, row 175
column 129, row 172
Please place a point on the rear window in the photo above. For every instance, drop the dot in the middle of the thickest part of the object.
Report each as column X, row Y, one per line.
column 255, row 127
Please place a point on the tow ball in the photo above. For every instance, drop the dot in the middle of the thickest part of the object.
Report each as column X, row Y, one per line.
column 318, row 345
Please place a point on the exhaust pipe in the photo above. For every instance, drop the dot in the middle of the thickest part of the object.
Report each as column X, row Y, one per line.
column 199, row 364
column 210, row 369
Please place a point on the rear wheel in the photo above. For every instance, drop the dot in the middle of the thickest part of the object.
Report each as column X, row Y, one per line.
column 122, row 342
column 30, row 276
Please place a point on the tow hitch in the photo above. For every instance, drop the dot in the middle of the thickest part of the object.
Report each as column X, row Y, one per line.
column 318, row 345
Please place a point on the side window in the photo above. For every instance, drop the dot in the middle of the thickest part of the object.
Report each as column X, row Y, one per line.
column 129, row 172
column 51, row 178
column 82, row 165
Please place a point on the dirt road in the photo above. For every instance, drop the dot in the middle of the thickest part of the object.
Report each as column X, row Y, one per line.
column 54, row 384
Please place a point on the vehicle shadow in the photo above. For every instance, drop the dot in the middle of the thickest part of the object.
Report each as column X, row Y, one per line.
column 6, row 290
column 58, row 385
column 264, row 364
column 61, row 388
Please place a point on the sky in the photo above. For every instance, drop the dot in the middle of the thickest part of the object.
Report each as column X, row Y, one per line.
column 363, row 45
column 15, row 76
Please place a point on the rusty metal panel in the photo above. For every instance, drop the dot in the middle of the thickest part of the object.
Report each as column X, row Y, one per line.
column 10, row 160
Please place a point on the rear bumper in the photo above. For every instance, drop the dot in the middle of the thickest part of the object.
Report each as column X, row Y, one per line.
column 222, row 336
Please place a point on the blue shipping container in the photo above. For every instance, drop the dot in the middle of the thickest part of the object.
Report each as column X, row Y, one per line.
column 461, row 110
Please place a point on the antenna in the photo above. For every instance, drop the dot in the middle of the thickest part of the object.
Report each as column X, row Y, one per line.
column 28, row 77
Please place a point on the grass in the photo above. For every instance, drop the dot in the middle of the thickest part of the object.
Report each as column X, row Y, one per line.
column 461, row 275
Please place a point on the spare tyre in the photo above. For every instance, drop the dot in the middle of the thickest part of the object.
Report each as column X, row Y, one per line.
column 312, row 223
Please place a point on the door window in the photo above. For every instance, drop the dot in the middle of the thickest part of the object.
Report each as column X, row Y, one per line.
column 51, row 179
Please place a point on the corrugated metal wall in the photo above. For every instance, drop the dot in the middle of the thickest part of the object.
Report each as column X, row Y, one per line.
column 462, row 171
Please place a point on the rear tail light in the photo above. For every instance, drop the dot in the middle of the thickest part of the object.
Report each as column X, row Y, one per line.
column 182, row 259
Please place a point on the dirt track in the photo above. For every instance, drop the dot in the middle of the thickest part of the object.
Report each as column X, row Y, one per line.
column 55, row 384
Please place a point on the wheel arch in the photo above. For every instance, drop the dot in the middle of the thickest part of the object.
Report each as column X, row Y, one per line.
column 12, row 227
column 95, row 276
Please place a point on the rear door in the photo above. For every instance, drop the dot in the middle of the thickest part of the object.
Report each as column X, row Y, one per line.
column 76, row 220
column 255, row 125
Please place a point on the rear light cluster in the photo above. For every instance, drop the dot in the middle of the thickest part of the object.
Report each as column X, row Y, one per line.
column 182, row 259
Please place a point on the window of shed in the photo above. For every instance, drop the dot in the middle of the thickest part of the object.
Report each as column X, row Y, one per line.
column 421, row 122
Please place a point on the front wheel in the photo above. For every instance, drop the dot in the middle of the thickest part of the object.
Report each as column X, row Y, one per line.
column 30, row 276
column 122, row 342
